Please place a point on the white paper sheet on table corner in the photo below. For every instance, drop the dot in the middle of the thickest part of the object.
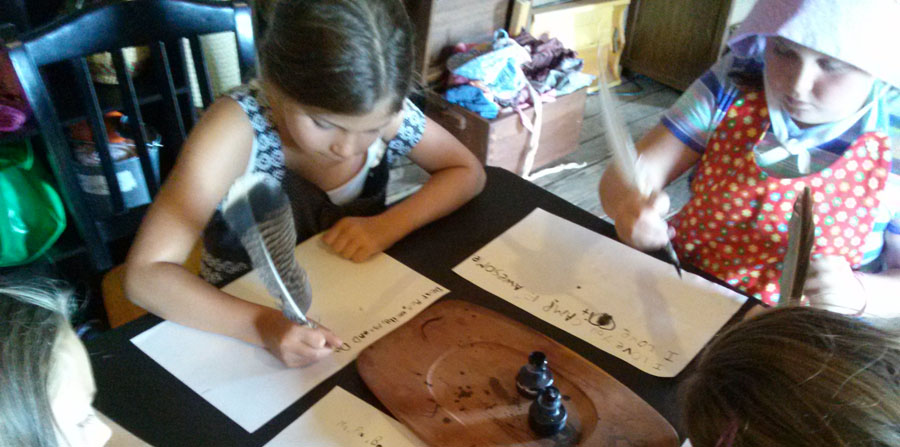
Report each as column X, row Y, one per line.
column 341, row 419
column 359, row 302
column 619, row 299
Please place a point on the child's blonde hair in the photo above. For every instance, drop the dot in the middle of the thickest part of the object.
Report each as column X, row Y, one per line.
column 797, row 377
column 31, row 320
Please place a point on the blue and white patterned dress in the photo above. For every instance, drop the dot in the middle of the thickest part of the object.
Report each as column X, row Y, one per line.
column 223, row 258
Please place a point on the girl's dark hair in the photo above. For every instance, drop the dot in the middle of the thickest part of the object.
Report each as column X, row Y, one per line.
column 747, row 73
column 31, row 318
column 342, row 56
column 797, row 377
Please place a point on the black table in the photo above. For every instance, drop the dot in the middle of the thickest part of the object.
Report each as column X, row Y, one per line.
column 150, row 402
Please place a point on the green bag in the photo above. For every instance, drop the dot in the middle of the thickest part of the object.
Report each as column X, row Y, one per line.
column 34, row 214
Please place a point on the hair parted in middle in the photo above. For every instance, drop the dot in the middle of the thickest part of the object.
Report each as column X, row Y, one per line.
column 344, row 56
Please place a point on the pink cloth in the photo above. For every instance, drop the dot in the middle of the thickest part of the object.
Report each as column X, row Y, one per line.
column 863, row 33
column 14, row 110
column 11, row 118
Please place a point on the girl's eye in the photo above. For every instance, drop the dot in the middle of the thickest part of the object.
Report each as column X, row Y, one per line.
column 781, row 50
column 322, row 124
column 832, row 65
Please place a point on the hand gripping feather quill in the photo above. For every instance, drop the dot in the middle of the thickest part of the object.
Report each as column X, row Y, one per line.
column 624, row 153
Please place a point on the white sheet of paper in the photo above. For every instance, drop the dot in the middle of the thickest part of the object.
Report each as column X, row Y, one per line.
column 341, row 419
column 616, row 298
column 359, row 302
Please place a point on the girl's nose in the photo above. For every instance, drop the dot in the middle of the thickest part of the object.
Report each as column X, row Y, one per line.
column 803, row 78
column 344, row 146
column 342, row 150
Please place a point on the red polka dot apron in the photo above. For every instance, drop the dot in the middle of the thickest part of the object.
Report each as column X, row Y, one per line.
column 735, row 226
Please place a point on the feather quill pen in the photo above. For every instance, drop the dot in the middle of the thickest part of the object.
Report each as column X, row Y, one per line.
column 801, row 233
column 624, row 153
column 259, row 212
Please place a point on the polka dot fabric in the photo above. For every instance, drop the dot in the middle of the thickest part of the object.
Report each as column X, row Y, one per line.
column 736, row 224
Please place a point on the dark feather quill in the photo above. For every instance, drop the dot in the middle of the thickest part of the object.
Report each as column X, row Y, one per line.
column 801, row 233
column 259, row 212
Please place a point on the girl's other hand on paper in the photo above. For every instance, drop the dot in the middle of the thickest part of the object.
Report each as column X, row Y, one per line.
column 831, row 284
column 359, row 238
column 293, row 344
column 640, row 222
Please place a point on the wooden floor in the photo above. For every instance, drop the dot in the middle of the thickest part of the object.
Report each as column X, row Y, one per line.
column 641, row 103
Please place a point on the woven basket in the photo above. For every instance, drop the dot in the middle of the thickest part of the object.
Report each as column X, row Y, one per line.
column 103, row 71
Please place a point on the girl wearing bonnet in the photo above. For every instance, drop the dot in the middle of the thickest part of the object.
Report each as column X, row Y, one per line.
column 807, row 96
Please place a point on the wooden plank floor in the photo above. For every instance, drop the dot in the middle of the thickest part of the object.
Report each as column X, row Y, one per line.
column 641, row 103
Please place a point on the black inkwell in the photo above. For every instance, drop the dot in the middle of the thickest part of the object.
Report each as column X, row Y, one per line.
column 547, row 415
column 535, row 376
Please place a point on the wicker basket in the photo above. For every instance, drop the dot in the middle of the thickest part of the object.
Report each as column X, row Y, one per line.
column 103, row 71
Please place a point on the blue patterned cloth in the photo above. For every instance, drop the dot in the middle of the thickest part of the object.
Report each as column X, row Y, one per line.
column 223, row 258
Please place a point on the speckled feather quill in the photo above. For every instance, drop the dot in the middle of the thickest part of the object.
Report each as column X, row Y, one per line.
column 259, row 212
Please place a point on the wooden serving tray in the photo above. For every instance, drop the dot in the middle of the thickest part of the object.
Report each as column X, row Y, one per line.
column 449, row 375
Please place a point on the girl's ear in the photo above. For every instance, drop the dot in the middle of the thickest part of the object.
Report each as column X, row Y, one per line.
column 390, row 131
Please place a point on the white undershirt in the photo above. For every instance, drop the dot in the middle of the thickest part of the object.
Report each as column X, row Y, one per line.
column 353, row 188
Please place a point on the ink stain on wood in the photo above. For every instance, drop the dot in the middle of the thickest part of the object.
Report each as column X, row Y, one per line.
column 501, row 392
column 569, row 436
column 434, row 411
column 464, row 392
column 426, row 323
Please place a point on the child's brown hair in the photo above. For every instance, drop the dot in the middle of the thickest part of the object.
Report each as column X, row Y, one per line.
column 797, row 377
column 343, row 56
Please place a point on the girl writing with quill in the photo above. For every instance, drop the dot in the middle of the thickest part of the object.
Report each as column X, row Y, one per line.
column 328, row 113
column 807, row 97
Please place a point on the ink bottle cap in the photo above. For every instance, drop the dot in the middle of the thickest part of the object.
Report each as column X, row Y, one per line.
column 547, row 414
column 535, row 376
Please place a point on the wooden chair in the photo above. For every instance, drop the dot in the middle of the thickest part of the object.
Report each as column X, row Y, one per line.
column 52, row 67
column 119, row 309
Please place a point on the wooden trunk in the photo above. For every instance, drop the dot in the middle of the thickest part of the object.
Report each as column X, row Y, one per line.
column 503, row 141
column 593, row 28
column 440, row 24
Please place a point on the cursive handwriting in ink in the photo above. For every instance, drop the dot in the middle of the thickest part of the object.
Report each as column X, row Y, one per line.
column 388, row 323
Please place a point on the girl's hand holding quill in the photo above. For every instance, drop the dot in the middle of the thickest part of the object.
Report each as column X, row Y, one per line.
column 640, row 229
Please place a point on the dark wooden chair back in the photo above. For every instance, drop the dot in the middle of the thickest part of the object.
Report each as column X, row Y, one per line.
column 52, row 67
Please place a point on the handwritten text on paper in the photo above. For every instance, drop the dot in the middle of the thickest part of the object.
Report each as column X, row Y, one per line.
column 358, row 302
column 341, row 419
column 620, row 300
